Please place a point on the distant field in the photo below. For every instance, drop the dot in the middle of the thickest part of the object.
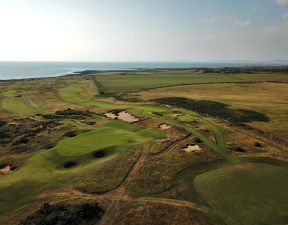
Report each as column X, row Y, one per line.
column 267, row 98
column 136, row 82
column 246, row 193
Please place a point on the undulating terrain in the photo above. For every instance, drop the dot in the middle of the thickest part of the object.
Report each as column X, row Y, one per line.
column 181, row 147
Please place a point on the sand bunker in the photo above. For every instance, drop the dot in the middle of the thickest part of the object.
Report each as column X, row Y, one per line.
column 192, row 148
column 165, row 126
column 127, row 117
column 71, row 134
column 111, row 116
column 69, row 165
column 99, row 154
column 6, row 169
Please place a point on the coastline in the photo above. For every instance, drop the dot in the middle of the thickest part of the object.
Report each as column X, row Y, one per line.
column 223, row 70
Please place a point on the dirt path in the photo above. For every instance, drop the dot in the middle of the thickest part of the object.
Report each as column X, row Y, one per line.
column 120, row 194
column 174, row 202
column 173, row 144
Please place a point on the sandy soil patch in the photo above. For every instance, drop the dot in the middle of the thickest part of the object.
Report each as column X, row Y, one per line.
column 192, row 148
column 6, row 169
column 125, row 116
column 165, row 126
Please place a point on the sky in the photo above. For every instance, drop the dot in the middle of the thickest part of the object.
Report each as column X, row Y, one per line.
column 143, row 30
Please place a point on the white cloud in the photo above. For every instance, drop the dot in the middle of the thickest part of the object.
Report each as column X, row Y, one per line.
column 282, row 2
column 242, row 23
column 285, row 16
column 211, row 20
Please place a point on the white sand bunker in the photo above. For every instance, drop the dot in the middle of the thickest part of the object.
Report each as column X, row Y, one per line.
column 192, row 148
column 125, row 116
column 165, row 126
column 6, row 169
column 111, row 116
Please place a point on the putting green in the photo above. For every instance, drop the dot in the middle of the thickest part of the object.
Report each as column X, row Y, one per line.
column 246, row 193
column 73, row 93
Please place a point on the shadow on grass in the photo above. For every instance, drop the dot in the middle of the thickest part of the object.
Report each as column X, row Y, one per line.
column 215, row 109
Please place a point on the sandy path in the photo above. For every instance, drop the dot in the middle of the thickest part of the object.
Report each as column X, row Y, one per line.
column 173, row 202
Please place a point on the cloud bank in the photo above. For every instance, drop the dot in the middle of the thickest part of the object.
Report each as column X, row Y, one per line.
column 242, row 23
column 282, row 2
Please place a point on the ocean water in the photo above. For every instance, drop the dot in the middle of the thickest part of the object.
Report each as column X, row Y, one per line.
column 20, row 70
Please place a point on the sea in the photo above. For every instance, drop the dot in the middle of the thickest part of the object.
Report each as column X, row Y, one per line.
column 23, row 70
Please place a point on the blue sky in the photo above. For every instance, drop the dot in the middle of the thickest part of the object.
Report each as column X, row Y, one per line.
column 143, row 30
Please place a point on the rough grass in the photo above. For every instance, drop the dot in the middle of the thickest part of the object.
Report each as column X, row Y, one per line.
column 109, row 175
column 247, row 193
column 158, row 172
column 154, row 213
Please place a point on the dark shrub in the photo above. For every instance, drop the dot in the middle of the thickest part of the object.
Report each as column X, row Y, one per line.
column 4, row 135
column 198, row 140
column 69, row 113
column 238, row 148
column 71, row 134
column 66, row 214
column 22, row 140
column 2, row 123
column 258, row 145
column 215, row 109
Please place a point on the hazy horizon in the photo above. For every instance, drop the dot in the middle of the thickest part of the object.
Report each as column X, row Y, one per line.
column 143, row 31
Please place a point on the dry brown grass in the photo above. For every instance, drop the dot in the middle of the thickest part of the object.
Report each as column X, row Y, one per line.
column 267, row 98
column 157, row 174
column 247, row 140
column 153, row 213
column 110, row 175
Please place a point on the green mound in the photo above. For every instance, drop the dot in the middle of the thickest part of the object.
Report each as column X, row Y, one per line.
column 247, row 193
column 47, row 168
